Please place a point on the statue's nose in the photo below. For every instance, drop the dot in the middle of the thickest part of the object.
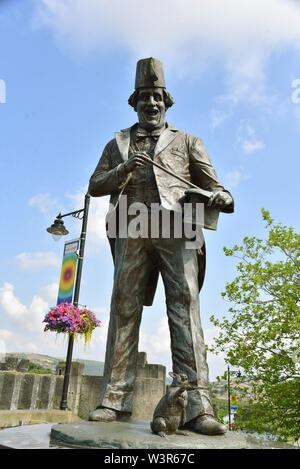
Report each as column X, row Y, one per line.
column 151, row 101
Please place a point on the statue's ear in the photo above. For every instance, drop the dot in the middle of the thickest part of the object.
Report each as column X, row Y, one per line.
column 171, row 374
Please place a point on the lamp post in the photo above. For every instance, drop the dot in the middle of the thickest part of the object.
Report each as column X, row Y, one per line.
column 229, row 392
column 57, row 229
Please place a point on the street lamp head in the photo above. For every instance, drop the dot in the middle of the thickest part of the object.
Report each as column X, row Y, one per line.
column 57, row 229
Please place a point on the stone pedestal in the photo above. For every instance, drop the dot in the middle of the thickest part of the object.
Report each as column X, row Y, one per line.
column 136, row 434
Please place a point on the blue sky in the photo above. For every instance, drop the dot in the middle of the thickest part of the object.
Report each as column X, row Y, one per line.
column 67, row 68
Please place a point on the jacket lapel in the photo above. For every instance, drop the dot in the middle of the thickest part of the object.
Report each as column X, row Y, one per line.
column 166, row 137
column 123, row 142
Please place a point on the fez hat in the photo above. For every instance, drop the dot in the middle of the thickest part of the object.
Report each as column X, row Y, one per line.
column 149, row 73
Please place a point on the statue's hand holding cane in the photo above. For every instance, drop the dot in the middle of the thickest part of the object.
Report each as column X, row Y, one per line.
column 136, row 160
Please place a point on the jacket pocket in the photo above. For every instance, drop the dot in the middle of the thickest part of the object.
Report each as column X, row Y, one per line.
column 177, row 152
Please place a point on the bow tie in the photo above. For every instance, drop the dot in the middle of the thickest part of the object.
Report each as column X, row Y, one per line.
column 143, row 133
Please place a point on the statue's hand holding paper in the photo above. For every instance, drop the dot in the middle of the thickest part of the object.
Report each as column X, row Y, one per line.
column 207, row 205
column 221, row 200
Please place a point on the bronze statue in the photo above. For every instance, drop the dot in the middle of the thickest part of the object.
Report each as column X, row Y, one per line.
column 124, row 171
column 170, row 412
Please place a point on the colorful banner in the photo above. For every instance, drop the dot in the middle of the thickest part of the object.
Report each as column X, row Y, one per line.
column 68, row 271
column 233, row 401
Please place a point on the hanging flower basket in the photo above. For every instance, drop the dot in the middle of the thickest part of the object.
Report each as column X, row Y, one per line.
column 234, row 427
column 69, row 319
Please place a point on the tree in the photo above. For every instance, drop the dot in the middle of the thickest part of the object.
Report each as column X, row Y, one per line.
column 39, row 369
column 262, row 336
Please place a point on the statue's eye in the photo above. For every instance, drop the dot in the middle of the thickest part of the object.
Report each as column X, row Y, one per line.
column 143, row 97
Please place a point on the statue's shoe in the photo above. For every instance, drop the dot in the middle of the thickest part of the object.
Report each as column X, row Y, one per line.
column 103, row 415
column 207, row 425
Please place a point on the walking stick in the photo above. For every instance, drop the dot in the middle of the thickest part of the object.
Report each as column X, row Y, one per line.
column 198, row 189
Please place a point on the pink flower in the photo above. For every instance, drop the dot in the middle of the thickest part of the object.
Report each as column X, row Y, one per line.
column 67, row 318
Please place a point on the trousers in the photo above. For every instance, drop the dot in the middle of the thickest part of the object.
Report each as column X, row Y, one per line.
column 178, row 266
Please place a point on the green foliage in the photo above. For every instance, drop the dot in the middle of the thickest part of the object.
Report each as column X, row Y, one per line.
column 35, row 368
column 221, row 407
column 262, row 335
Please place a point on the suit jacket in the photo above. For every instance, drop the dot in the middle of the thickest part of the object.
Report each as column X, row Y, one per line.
column 175, row 150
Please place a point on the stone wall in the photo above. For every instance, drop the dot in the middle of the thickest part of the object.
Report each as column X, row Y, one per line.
column 29, row 391
column 21, row 390
column 149, row 387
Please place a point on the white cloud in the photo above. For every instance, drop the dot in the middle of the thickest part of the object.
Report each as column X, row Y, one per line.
column 158, row 343
column 35, row 313
column 217, row 117
column 248, row 139
column 233, row 26
column 26, row 316
column 240, row 35
column 34, row 261
column 2, row 347
column 210, row 334
column 42, row 201
column 250, row 146
column 5, row 338
column 10, row 303
column 27, row 320
column 233, row 179
column 49, row 292
column 30, row 342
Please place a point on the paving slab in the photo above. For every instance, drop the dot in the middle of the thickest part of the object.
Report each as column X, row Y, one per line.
column 27, row 437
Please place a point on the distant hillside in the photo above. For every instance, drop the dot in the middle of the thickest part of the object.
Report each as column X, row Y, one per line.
column 92, row 367
column 219, row 388
column 43, row 360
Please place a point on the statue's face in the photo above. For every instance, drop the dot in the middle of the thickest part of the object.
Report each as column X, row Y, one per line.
column 151, row 108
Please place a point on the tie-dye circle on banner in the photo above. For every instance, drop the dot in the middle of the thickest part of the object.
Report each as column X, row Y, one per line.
column 67, row 278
